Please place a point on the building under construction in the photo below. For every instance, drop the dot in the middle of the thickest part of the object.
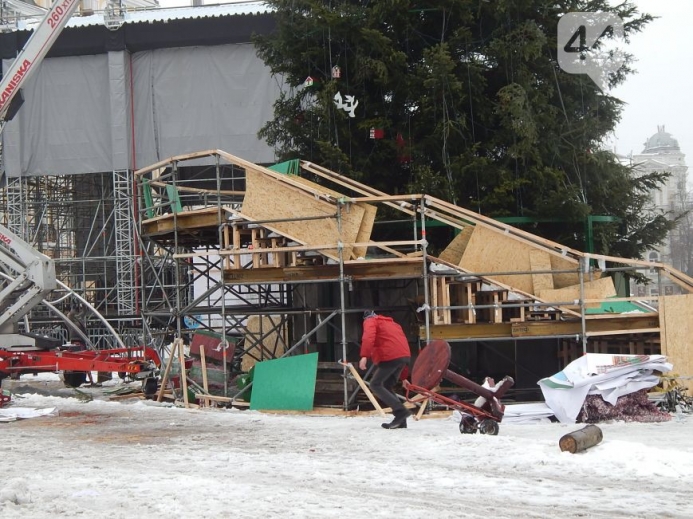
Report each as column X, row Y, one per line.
column 103, row 173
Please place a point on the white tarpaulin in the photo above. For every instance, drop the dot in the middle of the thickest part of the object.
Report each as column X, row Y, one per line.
column 610, row 376
column 12, row 414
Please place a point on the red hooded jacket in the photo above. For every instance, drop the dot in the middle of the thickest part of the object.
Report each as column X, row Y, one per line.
column 383, row 339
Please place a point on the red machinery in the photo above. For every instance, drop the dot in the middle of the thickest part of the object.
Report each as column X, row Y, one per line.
column 431, row 367
column 75, row 362
column 27, row 276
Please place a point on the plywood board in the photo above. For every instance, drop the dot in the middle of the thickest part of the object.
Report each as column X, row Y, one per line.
column 365, row 230
column 455, row 249
column 267, row 198
column 491, row 251
column 676, row 325
column 261, row 329
column 540, row 260
column 598, row 289
column 287, row 383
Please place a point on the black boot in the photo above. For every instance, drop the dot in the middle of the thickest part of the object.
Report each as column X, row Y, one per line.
column 399, row 422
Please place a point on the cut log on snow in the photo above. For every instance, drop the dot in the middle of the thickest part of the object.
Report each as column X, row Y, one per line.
column 580, row 440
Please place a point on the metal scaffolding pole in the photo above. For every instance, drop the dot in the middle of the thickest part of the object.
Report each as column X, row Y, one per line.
column 16, row 221
column 124, row 244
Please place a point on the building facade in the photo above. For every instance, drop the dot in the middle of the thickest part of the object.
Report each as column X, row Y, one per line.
column 662, row 153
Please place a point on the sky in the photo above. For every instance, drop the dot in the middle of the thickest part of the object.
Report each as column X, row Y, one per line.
column 134, row 458
column 660, row 92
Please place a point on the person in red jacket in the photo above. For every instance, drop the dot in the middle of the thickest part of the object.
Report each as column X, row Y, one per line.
column 384, row 342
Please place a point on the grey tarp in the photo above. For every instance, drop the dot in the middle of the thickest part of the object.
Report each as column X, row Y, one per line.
column 77, row 116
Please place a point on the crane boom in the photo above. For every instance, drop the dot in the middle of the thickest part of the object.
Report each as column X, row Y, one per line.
column 34, row 51
column 26, row 275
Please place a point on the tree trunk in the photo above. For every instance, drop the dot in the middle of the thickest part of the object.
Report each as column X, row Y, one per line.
column 580, row 440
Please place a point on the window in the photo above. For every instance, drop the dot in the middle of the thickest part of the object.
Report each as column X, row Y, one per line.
column 653, row 257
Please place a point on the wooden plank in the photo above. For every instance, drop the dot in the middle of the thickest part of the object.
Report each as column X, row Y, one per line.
column 364, row 387
column 203, row 363
column 422, row 409
column 176, row 158
column 450, row 332
column 436, row 314
column 445, row 299
column 183, row 374
column 167, row 370
column 540, row 260
column 358, row 271
column 363, row 189
column 214, row 398
column 519, row 235
column 490, row 251
column 186, row 220
column 633, row 323
column 599, row 289
column 455, row 249
column 676, row 323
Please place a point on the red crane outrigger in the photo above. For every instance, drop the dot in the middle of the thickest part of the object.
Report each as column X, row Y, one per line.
column 75, row 361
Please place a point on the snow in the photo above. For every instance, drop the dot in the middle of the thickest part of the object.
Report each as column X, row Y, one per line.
column 136, row 458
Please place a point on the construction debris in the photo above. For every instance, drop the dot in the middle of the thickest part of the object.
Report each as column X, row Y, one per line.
column 634, row 407
column 606, row 379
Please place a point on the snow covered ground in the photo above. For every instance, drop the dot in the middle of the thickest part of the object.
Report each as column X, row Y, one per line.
column 133, row 459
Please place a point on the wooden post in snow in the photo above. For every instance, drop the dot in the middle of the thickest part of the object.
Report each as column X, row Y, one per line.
column 580, row 440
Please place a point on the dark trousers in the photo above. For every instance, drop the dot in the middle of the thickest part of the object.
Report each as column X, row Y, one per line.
column 384, row 379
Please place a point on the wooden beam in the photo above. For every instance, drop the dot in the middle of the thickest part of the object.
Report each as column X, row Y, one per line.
column 201, row 218
column 645, row 323
column 361, row 270
column 363, row 386
column 467, row 331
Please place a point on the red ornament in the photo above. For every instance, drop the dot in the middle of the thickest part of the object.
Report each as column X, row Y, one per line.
column 377, row 133
column 402, row 156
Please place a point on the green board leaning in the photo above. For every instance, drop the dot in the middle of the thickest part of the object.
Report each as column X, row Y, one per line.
column 285, row 384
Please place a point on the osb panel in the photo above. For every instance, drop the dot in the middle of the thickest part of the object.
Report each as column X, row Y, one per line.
column 597, row 289
column 455, row 249
column 267, row 198
column 561, row 280
column 489, row 250
column 274, row 342
column 676, row 325
column 540, row 260
column 365, row 230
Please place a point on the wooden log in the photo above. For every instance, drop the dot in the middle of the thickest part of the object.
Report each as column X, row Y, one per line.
column 580, row 440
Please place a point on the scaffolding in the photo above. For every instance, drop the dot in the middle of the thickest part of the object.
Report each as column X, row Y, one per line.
column 269, row 283
column 78, row 221
column 177, row 249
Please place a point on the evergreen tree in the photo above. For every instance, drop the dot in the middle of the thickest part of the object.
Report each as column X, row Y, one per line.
column 471, row 106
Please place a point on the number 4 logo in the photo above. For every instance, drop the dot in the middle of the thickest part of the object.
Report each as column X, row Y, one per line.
column 582, row 48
